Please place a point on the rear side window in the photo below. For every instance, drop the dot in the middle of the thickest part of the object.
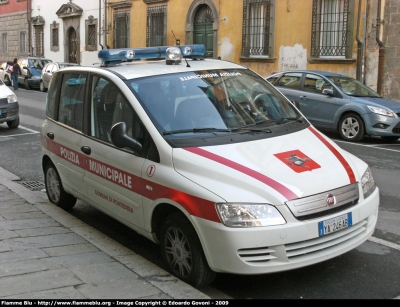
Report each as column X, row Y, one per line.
column 72, row 96
column 51, row 106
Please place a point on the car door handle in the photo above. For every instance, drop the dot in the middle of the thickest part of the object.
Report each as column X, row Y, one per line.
column 86, row 150
column 50, row 135
column 303, row 97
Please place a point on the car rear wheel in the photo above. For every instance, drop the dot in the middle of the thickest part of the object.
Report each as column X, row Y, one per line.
column 54, row 189
column 13, row 123
column 182, row 252
column 390, row 138
column 41, row 87
column 351, row 128
column 27, row 86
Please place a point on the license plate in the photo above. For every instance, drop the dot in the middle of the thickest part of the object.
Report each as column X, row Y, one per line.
column 335, row 224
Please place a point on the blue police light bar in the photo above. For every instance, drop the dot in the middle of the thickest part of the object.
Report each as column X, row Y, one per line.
column 116, row 56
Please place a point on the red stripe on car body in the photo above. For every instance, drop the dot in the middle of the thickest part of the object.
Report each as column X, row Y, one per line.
column 280, row 188
column 194, row 205
column 337, row 154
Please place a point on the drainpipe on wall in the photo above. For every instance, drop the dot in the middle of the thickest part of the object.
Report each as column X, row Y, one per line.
column 28, row 18
column 99, row 23
column 359, row 46
column 381, row 49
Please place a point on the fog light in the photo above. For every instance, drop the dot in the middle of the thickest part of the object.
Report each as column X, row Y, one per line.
column 381, row 126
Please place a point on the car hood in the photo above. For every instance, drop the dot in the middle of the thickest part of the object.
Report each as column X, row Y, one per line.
column 271, row 170
column 380, row 101
column 5, row 91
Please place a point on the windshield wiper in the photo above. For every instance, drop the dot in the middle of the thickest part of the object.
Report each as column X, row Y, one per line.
column 283, row 120
column 212, row 130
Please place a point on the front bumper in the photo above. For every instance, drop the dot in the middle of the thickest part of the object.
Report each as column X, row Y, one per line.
column 296, row 244
column 8, row 113
column 380, row 125
column 34, row 82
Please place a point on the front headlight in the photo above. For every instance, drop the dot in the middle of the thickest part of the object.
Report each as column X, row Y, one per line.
column 381, row 111
column 367, row 183
column 12, row 98
column 249, row 215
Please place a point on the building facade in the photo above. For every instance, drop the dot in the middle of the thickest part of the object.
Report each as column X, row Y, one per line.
column 354, row 37
column 14, row 30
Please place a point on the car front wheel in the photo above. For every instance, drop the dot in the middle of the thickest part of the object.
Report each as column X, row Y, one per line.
column 351, row 128
column 13, row 123
column 182, row 252
column 41, row 87
column 27, row 86
column 54, row 189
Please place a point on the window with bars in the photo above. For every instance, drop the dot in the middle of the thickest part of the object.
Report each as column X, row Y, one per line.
column 257, row 28
column 121, row 30
column 330, row 25
column 38, row 41
column 54, row 36
column 22, row 42
column 4, row 43
column 91, row 34
column 156, row 25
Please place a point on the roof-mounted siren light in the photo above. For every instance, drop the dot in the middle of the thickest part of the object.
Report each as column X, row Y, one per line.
column 116, row 55
column 173, row 55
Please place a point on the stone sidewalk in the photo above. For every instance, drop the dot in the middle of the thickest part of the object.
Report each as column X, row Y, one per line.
column 46, row 253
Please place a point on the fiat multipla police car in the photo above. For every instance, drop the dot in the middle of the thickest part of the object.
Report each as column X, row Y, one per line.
column 205, row 158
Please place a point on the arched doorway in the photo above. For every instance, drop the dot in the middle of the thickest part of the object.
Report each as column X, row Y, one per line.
column 72, row 46
column 203, row 32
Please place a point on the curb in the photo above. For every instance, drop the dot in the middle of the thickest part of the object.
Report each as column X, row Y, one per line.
column 154, row 275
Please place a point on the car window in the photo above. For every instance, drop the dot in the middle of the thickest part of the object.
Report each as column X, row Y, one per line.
column 71, row 100
column 315, row 84
column 52, row 102
column 108, row 107
column 272, row 79
column 289, row 80
column 210, row 99
column 352, row 87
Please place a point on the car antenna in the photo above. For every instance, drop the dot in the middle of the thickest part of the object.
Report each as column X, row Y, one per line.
column 178, row 42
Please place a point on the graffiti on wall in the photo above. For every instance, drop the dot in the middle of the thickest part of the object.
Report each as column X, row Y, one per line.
column 292, row 57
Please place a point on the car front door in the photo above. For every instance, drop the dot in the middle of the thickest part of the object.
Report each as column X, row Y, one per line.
column 47, row 74
column 318, row 108
column 113, row 175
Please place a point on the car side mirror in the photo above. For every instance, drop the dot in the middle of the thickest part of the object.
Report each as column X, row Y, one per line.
column 296, row 104
column 120, row 139
column 328, row 91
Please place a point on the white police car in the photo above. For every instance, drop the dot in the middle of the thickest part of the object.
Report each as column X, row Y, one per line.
column 205, row 158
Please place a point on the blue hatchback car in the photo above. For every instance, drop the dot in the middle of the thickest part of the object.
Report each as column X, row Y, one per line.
column 340, row 103
column 31, row 68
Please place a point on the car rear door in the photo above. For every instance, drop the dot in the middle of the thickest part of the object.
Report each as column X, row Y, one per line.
column 63, row 135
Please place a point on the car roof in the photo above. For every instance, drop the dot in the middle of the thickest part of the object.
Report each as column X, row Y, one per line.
column 318, row 72
column 139, row 69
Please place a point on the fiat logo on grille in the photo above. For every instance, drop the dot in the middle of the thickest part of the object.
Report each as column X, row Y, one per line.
column 330, row 199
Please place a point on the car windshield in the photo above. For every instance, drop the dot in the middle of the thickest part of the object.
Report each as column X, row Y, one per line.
column 216, row 101
column 352, row 87
column 38, row 63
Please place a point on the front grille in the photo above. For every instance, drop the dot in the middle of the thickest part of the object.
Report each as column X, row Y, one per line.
column 256, row 255
column 3, row 101
column 396, row 128
column 315, row 206
column 299, row 249
column 3, row 115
